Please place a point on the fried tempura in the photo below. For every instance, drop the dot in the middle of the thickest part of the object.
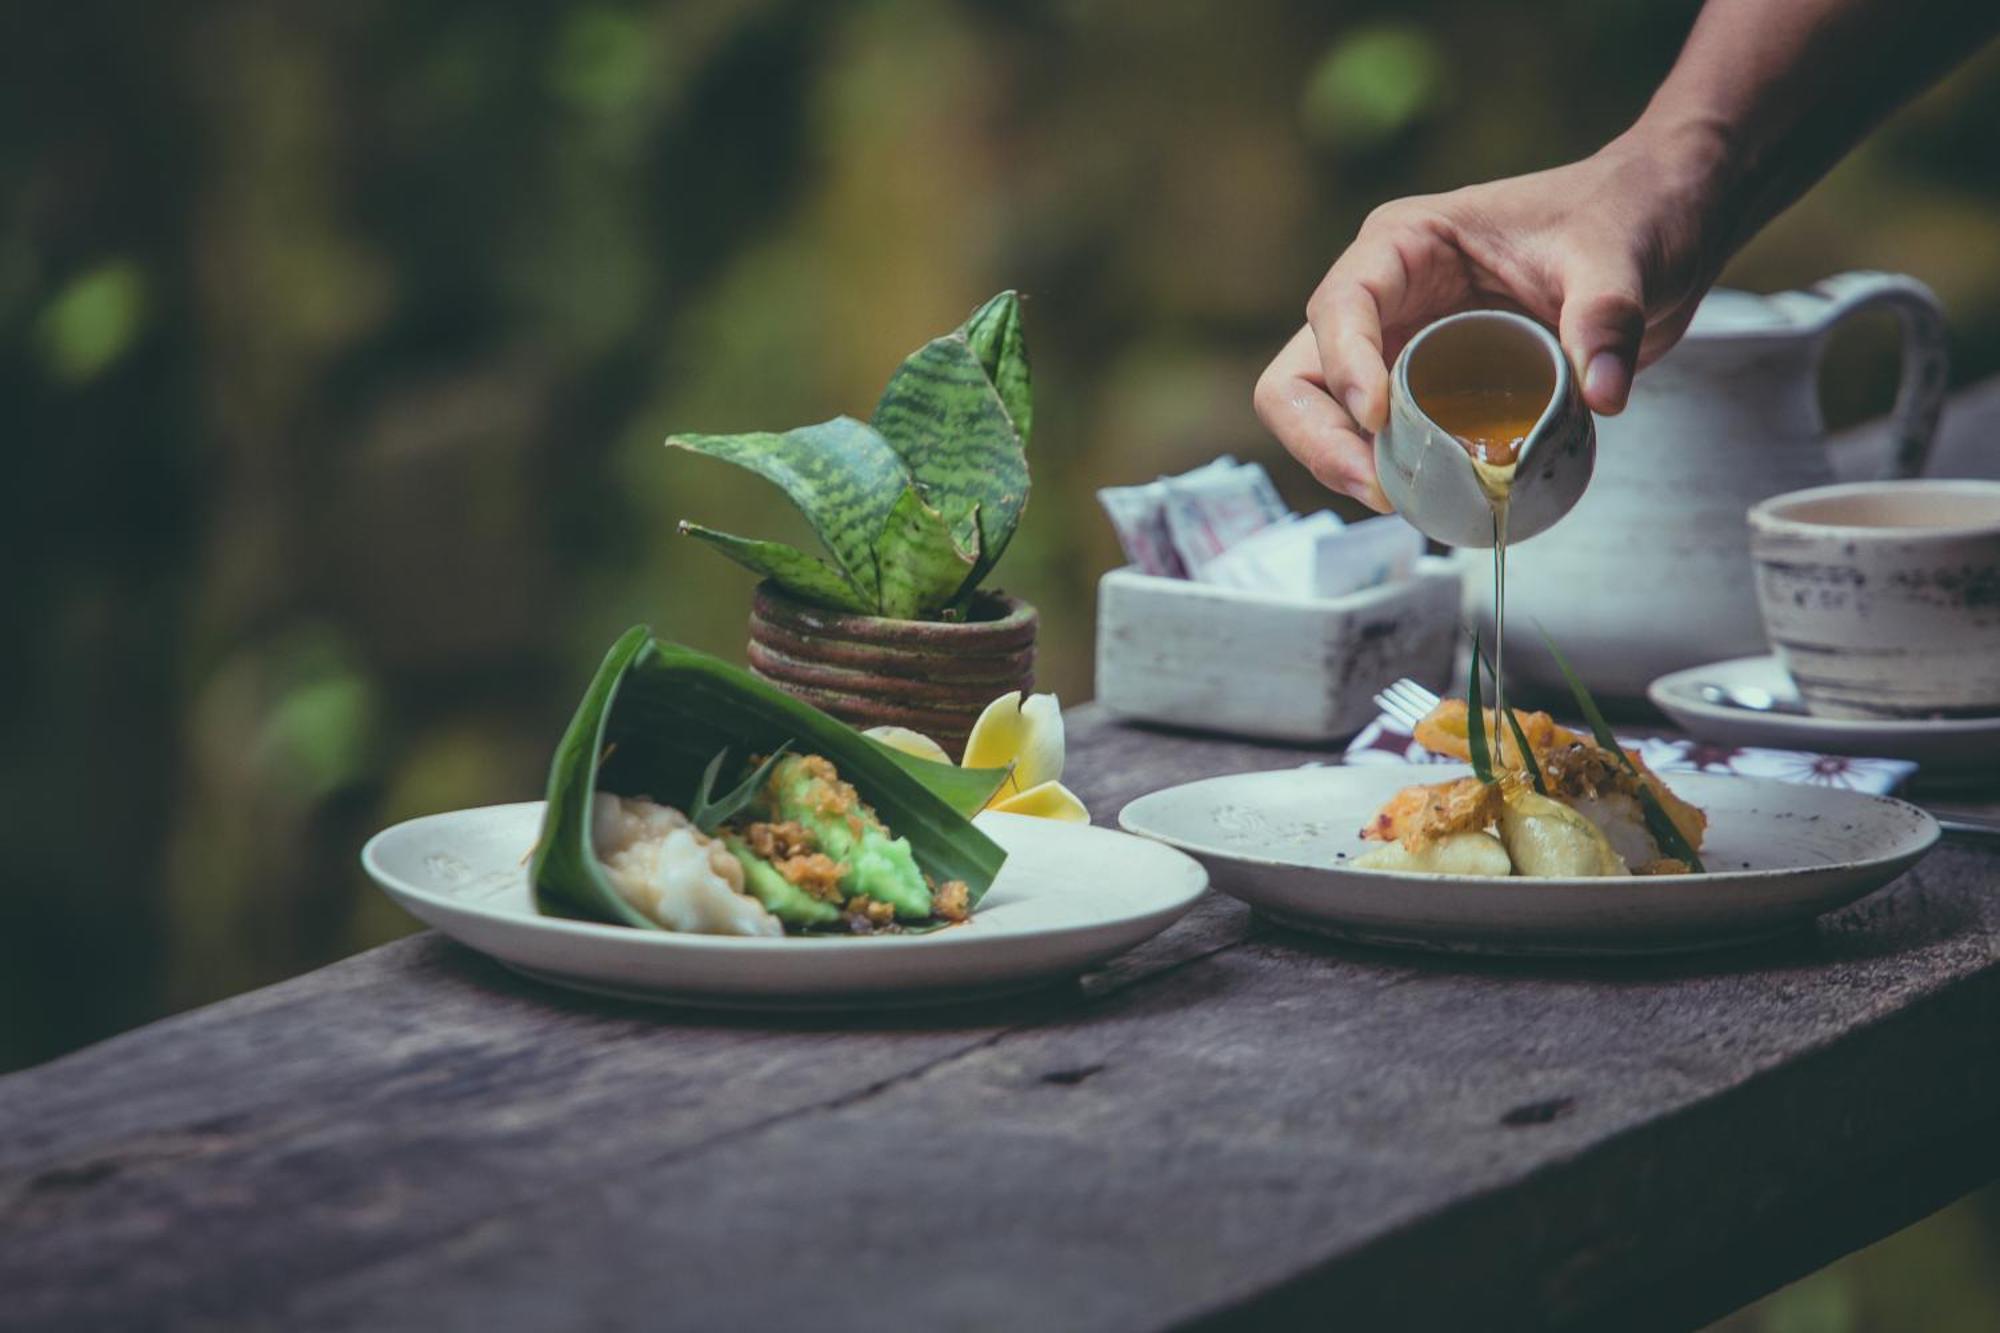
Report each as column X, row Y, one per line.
column 1574, row 767
column 1418, row 816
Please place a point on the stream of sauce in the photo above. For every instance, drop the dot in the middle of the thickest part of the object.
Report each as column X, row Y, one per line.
column 1492, row 425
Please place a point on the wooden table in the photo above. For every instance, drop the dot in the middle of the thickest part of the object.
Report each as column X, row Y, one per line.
column 1230, row 1126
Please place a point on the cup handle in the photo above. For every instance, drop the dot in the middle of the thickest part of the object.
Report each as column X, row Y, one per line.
column 1926, row 356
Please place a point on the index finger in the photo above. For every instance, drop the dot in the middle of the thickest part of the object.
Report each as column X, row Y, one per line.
column 1346, row 315
column 1292, row 402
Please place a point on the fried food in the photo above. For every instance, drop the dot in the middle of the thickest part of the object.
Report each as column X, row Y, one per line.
column 1574, row 767
column 1590, row 822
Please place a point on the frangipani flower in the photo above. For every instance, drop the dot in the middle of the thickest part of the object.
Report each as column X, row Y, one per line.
column 1024, row 734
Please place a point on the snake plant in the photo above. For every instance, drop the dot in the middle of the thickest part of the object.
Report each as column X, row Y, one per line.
column 915, row 504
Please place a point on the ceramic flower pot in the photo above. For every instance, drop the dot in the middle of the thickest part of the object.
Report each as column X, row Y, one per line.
column 931, row 676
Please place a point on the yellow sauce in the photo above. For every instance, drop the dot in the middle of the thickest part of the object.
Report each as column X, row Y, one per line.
column 1492, row 425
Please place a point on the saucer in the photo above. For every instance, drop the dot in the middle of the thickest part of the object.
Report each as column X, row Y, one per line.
column 1959, row 746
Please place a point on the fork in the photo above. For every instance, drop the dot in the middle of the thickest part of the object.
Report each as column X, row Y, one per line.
column 1406, row 702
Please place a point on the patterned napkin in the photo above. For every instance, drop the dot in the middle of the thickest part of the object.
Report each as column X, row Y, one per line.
column 1386, row 742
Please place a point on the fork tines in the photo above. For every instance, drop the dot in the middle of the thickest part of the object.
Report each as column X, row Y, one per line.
column 1407, row 702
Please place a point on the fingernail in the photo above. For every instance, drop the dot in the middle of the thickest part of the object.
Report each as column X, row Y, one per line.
column 1606, row 383
column 1357, row 406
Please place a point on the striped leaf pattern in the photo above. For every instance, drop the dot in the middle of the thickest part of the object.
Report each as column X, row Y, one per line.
column 799, row 574
column 916, row 505
column 994, row 330
column 921, row 565
column 841, row 474
column 944, row 416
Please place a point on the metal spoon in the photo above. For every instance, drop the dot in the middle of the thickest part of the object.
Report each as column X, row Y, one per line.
column 1968, row 825
column 1749, row 698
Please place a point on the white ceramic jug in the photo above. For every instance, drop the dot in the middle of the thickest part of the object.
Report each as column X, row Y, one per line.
column 1650, row 572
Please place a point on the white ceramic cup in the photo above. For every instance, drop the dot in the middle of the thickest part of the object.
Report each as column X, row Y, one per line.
column 1882, row 599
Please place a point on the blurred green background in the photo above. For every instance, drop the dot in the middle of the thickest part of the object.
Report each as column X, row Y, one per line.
column 339, row 342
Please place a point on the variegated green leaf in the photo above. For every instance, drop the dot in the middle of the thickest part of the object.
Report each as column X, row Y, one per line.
column 843, row 476
column 945, row 418
column 920, row 564
column 994, row 330
column 802, row 575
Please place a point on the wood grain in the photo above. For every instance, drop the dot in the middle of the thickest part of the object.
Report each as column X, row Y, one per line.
column 1231, row 1126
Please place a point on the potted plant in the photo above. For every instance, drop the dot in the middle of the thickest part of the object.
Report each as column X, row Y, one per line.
column 914, row 506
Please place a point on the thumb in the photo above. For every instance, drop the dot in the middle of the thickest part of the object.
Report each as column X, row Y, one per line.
column 1603, row 320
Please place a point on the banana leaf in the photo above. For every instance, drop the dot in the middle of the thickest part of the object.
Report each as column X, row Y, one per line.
column 653, row 719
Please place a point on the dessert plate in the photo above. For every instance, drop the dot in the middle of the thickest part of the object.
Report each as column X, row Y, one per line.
column 1778, row 855
column 1069, row 896
column 1961, row 747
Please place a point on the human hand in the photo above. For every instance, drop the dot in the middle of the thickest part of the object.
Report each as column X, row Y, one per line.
column 1614, row 251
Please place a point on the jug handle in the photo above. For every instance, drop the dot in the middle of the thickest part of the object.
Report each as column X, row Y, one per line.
column 1920, row 392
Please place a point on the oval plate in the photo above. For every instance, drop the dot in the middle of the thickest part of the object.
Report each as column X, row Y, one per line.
column 1778, row 853
column 1068, row 897
column 1943, row 747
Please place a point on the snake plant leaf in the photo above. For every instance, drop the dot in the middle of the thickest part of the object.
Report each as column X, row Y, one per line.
column 945, row 417
column 843, row 476
column 796, row 572
column 995, row 332
column 918, row 559
column 652, row 720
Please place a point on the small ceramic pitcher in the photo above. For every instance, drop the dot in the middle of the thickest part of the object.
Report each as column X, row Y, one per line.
column 1651, row 571
column 1426, row 472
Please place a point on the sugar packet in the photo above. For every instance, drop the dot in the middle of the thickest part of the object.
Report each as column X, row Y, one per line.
column 1213, row 508
column 1366, row 555
column 1282, row 558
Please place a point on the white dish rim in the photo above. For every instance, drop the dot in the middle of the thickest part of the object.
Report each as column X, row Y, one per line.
column 952, row 937
column 1623, row 885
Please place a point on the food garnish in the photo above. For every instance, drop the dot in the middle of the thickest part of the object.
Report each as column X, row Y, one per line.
column 1557, row 804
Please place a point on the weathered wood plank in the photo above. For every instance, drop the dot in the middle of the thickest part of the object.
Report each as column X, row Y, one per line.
column 1231, row 1122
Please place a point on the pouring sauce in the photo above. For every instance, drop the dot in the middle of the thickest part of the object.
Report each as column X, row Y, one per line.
column 1492, row 426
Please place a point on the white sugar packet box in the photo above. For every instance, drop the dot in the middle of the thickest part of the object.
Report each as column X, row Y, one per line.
column 1267, row 664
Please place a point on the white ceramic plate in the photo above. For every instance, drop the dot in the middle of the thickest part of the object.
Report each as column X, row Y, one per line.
column 1946, row 746
column 1778, row 854
column 1068, row 897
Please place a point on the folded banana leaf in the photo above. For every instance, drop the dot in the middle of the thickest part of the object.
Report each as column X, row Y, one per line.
column 654, row 718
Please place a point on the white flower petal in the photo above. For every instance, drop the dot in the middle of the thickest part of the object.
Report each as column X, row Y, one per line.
column 909, row 742
column 1040, row 756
